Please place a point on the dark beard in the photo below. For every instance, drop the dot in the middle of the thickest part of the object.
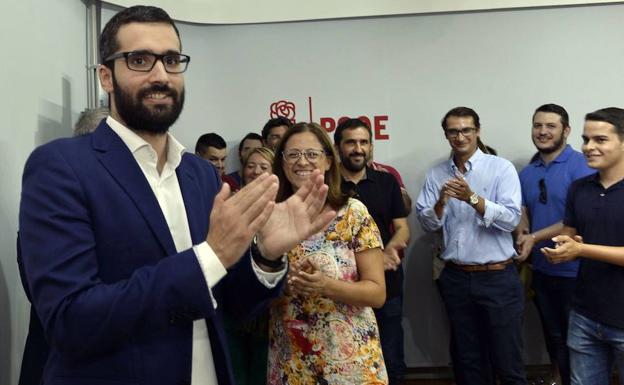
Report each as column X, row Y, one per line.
column 138, row 117
column 555, row 147
column 346, row 163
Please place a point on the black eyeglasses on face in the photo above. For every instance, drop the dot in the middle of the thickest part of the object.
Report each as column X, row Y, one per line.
column 543, row 195
column 174, row 63
column 453, row 133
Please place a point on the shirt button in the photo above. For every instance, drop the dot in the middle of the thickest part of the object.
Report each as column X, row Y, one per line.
column 602, row 194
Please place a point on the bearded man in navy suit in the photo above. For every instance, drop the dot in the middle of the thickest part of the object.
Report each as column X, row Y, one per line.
column 131, row 247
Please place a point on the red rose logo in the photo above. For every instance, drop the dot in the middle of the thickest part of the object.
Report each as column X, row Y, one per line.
column 284, row 109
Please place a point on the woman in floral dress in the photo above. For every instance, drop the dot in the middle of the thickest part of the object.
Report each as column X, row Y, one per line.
column 323, row 329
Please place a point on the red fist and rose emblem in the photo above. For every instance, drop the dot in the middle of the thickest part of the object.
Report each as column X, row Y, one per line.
column 283, row 108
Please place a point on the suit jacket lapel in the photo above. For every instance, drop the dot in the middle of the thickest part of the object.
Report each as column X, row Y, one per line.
column 118, row 160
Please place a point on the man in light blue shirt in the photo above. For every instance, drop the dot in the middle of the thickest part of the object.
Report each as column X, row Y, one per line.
column 475, row 198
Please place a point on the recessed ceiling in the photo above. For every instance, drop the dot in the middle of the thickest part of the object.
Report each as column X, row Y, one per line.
column 267, row 11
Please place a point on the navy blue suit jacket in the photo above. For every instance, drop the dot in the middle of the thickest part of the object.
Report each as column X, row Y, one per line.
column 116, row 301
column 36, row 347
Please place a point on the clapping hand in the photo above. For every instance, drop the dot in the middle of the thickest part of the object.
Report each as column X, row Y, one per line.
column 306, row 278
column 392, row 260
column 296, row 219
column 457, row 188
column 566, row 249
column 524, row 245
column 235, row 219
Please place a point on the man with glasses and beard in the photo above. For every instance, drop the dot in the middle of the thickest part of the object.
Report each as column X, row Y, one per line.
column 475, row 199
column 381, row 194
column 131, row 247
column 545, row 183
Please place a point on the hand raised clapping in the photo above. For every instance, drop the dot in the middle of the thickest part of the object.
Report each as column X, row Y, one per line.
column 235, row 219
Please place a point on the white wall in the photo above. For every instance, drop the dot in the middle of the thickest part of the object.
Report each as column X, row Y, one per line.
column 43, row 86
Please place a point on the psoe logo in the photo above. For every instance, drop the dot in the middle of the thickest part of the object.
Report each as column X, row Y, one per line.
column 287, row 109
column 284, row 109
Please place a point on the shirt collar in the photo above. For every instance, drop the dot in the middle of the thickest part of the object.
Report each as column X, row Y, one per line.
column 369, row 175
column 595, row 180
column 135, row 143
column 561, row 158
column 470, row 163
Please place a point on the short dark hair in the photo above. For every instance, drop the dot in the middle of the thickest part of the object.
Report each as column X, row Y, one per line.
column 462, row 112
column 611, row 115
column 335, row 197
column 252, row 136
column 555, row 109
column 275, row 122
column 350, row 124
column 209, row 140
column 137, row 14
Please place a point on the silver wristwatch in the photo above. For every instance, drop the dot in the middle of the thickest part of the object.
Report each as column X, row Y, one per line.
column 474, row 199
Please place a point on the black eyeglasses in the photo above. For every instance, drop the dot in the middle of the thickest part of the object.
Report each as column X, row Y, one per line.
column 174, row 63
column 543, row 195
column 453, row 133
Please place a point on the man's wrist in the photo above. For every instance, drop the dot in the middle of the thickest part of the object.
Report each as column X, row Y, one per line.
column 473, row 199
column 260, row 259
column 255, row 242
column 211, row 266
column 533, row 236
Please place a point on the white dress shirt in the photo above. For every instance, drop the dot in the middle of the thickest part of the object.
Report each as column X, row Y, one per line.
column 167, row 191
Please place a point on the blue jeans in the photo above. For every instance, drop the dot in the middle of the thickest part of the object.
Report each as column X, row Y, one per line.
column 485, row 311
column 552, row 298
column 389, row 318
column 594, row 348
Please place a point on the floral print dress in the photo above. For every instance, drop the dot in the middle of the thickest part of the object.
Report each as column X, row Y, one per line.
column 315, row 340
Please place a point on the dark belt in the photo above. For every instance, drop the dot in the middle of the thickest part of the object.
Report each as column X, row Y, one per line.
column 478, row 268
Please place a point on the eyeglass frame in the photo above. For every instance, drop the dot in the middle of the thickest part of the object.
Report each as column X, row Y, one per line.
column 466, row 132
column 302, row 153
column 543, row 194
column 156, row 56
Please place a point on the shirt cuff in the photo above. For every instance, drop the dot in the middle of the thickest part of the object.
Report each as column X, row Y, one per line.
column 211, row 267
column 488, row 214
column 267, row 278
column 430, row 219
